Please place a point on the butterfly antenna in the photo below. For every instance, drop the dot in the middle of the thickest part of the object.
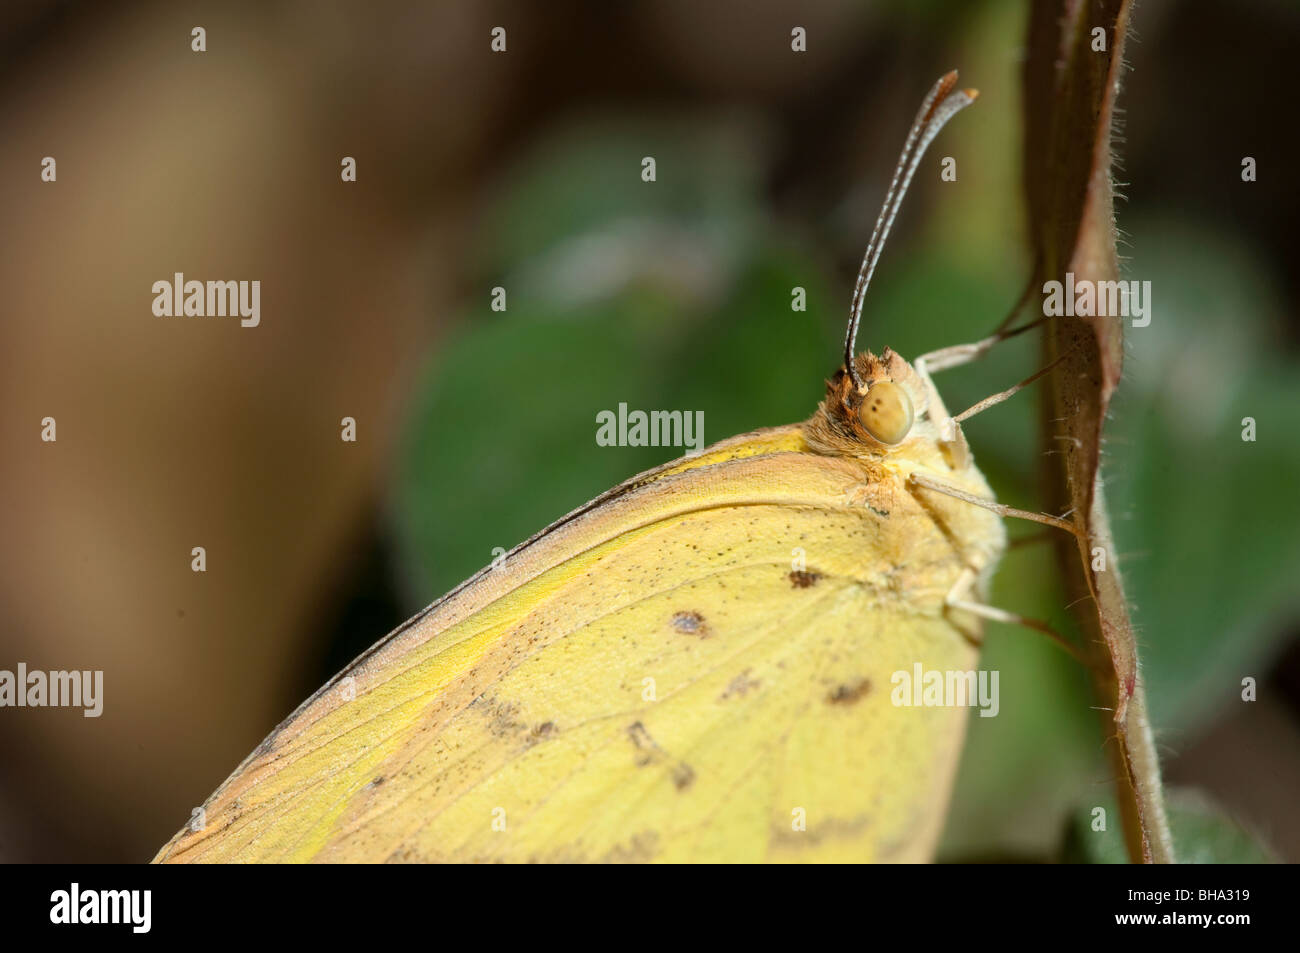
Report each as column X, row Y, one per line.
column 941, row 104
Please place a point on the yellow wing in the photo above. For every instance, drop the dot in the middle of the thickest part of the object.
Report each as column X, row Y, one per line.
column 653, row 677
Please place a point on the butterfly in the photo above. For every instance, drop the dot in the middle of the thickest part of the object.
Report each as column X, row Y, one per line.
column 713, row 661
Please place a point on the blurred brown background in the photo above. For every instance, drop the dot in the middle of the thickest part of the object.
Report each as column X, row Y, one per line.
column 175, row 433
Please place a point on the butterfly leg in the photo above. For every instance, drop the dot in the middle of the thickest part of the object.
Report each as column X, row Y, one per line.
column 999, row 397
column 960, row 597
column 939, row 486
column 948, row 357
column 958, row 354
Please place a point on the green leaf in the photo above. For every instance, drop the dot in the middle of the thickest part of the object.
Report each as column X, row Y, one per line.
column 1202, row 832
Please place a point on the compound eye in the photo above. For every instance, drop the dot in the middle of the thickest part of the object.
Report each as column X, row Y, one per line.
column 886, row 412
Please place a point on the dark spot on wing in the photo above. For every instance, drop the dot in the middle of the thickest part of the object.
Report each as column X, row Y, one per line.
column 501, row 715
column 545, row 729
column 640, row 737
column 642, row 847
column 740, row 685
column 802, row 579
column 849, row 694
column 644, row 743
column 650, row 753
column 690, row 623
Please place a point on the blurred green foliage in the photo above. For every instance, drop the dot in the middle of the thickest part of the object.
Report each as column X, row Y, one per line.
column 1203, row 834
column 1207, row 519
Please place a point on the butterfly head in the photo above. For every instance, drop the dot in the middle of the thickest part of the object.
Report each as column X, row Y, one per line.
column 874, row 415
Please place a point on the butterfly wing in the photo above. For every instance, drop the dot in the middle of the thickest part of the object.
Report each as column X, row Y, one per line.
column 696, row 666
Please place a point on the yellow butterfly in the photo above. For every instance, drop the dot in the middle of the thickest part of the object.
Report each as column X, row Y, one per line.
column 713, row 661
